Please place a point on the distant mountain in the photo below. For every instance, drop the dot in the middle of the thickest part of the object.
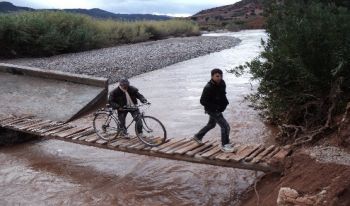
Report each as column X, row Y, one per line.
column 7, row 7
column 246, row 14
column 102, row 14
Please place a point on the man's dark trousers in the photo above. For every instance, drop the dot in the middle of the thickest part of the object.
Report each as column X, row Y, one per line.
column 122, row 117
column 216, row 118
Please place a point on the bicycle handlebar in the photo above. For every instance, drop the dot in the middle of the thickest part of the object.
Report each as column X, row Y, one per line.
column 137, row 106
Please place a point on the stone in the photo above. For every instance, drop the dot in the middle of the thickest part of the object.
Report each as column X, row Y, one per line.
column 290, row 197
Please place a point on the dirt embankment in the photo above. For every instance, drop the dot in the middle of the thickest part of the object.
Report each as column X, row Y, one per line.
column 316, row 174
column 317, row 182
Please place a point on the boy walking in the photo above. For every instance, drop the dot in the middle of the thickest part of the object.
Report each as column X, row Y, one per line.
column 215, row 102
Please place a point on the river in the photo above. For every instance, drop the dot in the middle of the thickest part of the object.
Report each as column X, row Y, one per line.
column 51, row 172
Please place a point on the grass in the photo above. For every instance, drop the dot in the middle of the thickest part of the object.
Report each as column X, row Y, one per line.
column 50, row 33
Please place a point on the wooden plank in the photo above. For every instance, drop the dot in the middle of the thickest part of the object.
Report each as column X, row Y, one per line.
column 47, row 128
column 143, row 147
column 198, row 155
column 267, row 157
column 115, row 143
column 214, row 145
column 241, row 150
column 37, row 126
column 16, row 119
column 190, row 147
column 148, row 148
column 133, row 141
column 129, row 142
column 71, row 131
column 214, row 150
column 93, row 138
column 101, row 142
column 254, row 154
column 199, row 149
column 244, row 153
column 136, row 145
column 26, row 123
column 56, row 134
column 263, row 154
column 59, row 129
column 178, row 143
column 80, row 134
column 83, row 138
column 281, row 155
column 167, row 144
column 24, row 127
column 44, row 128
column 118, row 142
column 4, row 118
column 181, row 146
column 228, row 156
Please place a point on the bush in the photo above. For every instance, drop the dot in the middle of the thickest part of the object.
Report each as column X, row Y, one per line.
column 50, row 33
column 304, row 69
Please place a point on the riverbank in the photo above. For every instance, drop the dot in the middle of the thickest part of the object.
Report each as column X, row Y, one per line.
column 131, row 60
column 313, row 175
column 316, row 183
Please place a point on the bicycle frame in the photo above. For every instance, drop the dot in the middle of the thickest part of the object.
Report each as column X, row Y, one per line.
column 134, row 119
column 140, row 115
column 113, row 114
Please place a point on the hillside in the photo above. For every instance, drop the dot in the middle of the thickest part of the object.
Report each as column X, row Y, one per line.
column 7, row 7
column 246, row 14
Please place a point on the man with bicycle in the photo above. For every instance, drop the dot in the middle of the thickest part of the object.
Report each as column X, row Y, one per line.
column 123, row 97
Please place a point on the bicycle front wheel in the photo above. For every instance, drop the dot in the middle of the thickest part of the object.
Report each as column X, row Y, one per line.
column 153, row 132
column 105, row 126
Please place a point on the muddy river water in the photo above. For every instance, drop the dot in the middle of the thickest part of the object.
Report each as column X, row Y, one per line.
column 51, row 172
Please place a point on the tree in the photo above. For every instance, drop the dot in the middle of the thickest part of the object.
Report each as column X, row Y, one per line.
column 304, row 69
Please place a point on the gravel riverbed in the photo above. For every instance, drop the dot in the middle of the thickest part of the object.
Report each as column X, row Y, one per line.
column 131, row 60
column 330, row 154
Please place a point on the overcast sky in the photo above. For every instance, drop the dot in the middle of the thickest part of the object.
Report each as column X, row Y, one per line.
column 168, row 7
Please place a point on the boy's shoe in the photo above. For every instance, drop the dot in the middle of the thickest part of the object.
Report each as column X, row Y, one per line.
column 124, row 136
column 194, row 138
column 228, row 148
column 141, row 135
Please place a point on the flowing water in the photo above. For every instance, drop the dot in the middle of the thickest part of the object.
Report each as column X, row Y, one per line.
column 53, row 172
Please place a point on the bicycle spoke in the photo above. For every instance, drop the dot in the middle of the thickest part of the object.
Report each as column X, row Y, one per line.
column 105, row 126
column 153, row 131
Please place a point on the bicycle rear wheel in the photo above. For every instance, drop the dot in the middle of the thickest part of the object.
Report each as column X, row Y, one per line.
column 105, row 125
column 153, row 131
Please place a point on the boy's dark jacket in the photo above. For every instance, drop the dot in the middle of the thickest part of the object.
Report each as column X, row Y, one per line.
column 214, row 97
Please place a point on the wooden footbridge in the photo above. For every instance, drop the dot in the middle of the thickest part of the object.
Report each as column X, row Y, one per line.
column 252, row 157
column 57, row 98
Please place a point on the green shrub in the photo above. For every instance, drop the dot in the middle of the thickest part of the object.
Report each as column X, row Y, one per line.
column 50, row 33
column 304, row 69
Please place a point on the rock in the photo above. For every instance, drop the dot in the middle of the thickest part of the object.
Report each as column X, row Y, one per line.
column 290, row 197
column 286, row 196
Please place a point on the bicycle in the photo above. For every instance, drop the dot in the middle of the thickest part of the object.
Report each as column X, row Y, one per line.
column 107, row 125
